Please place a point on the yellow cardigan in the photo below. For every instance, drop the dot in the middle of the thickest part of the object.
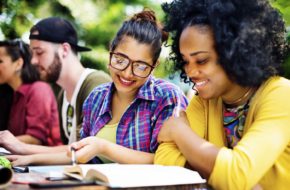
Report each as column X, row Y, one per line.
column 263, row 154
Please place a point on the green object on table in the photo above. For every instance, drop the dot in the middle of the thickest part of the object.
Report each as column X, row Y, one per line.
column 5, row 162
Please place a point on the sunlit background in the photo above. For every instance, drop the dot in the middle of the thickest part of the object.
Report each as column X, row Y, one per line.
column 96, row 22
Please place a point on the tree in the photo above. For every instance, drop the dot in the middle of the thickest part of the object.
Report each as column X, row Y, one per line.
column 95, row 20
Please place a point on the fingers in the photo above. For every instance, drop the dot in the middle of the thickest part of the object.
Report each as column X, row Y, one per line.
column 77, row 146
column 14, row 159
column 89, row 149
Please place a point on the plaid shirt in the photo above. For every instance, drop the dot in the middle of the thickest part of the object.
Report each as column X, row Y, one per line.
column 140, row 124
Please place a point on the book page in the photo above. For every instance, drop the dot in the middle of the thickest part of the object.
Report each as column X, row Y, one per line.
column 133, row 175
column 4, row 152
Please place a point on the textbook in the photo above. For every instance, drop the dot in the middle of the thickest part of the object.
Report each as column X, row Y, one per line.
column 133, row 175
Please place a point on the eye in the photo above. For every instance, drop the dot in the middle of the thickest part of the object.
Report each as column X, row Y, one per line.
column 119, row 59
column 39, row 53
column 201, row 61
column 141, row 66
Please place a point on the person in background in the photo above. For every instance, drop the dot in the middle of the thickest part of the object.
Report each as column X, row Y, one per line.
column 122, row 118
column 236, row 132
column 55, row 50
column 29, row 105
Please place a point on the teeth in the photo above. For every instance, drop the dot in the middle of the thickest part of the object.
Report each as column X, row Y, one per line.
column 200, row 83
column 127, row 82
column 124, row 80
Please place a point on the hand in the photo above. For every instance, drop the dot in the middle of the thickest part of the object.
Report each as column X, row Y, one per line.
column 171, row 125
column 11, row 143
column 87, row 148
column 19, row 160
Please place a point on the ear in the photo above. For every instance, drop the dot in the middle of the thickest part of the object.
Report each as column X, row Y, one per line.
column 18, row 64
column 66, row 48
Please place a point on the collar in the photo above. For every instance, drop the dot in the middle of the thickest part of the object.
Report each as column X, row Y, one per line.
column 23, row 89
column 146, row 92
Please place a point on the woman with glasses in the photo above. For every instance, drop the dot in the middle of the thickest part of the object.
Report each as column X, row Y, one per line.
column 28, row 106
column 122, row 118
column 236, row 132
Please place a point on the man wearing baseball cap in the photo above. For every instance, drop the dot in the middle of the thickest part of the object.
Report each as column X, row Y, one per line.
column 54, row 44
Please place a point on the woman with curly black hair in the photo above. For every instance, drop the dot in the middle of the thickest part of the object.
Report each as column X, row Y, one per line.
column 236, row 132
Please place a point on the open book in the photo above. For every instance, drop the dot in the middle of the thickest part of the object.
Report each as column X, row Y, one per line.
column 134, row 175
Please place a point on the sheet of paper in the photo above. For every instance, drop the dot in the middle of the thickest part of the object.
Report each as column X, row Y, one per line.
column 3, row 151
column 49, row 171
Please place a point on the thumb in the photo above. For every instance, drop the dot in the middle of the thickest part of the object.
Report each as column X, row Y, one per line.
column 11, row 158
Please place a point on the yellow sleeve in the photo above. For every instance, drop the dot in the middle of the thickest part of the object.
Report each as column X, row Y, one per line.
column 260, row 147
column 168, row 153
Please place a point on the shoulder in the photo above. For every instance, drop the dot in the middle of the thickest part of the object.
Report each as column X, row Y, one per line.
column 279, row 82
column 276, row 87
column 40, row 92
column 92, row 80
column 100, row 91
column 272, row 97
column 97, row 77
column 40, row 84
column 40, row 87
column 162, row 87
column 162, row 92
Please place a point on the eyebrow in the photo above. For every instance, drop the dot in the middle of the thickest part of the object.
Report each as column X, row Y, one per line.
column 195, row 53
column 131, row 59
column 36, row 48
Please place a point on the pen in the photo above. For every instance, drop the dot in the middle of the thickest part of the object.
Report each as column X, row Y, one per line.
column 73, row 156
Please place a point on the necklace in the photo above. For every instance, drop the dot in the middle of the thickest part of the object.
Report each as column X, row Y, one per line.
column 242, row 98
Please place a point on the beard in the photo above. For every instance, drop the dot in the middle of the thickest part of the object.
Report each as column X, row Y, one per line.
column 53, row 71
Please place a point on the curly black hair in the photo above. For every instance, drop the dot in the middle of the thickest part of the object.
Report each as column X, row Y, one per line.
column 249, row 36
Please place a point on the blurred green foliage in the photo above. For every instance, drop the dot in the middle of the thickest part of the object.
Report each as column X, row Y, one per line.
column 284, row 8
column 96, row 21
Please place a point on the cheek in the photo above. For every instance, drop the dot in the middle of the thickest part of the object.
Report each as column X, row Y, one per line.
column 141, row 81
column 45, row 61
column 112, row 71
column 6, row 72
column 221, row 79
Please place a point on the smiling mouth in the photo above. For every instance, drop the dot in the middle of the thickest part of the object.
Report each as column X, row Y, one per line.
column 125, row 81
column 201, row 83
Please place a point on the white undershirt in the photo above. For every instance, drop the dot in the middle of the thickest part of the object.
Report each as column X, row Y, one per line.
column 72, row 136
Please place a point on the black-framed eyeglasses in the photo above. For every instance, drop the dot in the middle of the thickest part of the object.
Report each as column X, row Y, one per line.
column 69, row 117
column 121, row 62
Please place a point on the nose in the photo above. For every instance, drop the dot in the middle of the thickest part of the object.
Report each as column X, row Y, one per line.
column 191, row 70
column 128, row 72
column 34, row 60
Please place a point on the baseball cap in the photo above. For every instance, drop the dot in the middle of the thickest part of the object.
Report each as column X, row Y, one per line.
column 57, row 30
